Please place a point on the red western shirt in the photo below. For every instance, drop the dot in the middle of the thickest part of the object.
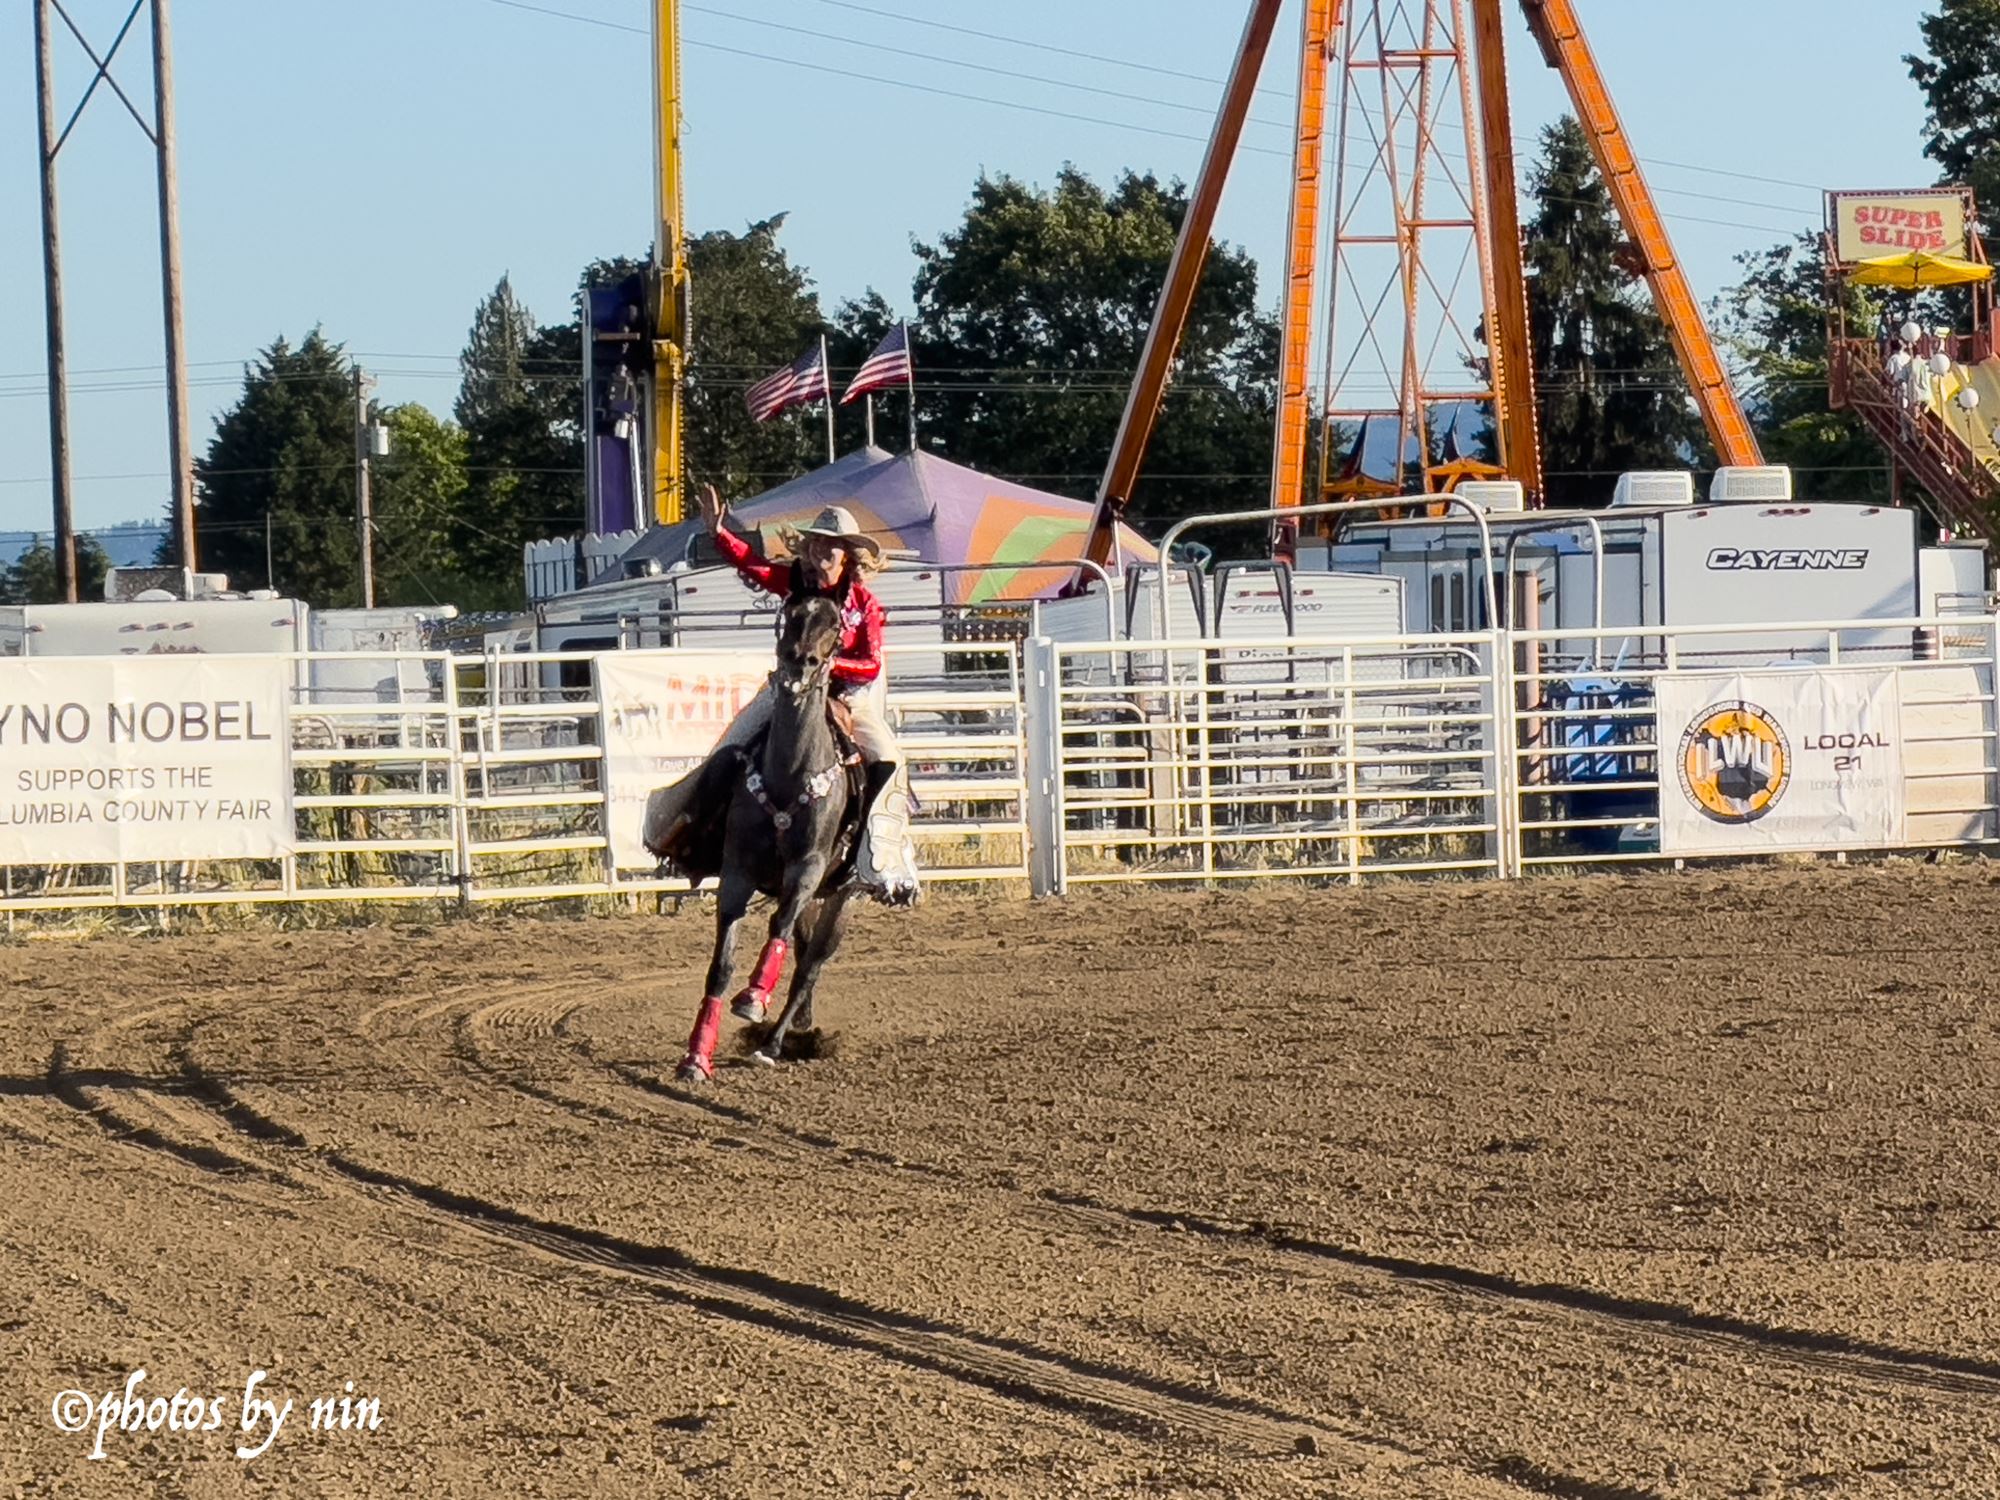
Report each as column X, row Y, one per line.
column 859, row 659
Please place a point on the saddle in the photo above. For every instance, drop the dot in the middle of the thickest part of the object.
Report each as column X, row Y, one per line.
column 696, row 851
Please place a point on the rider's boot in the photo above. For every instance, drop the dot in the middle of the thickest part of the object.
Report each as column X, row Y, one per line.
column 885, row 868
column 877, row 774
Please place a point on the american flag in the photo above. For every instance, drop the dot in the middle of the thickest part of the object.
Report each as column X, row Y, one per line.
column 803, row 380
column 888, row 365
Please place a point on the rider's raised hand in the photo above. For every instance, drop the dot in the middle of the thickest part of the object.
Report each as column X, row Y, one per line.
column 713, row 512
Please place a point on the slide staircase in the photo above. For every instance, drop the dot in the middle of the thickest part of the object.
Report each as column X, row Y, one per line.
column 1948, row 450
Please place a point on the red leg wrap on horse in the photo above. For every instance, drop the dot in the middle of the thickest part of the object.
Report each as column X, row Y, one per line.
column 769, row 967
column 701, row 1041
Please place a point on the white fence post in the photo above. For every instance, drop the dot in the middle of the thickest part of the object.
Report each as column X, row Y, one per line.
column 461, row 816
column 1506, row 757
column 1991, row 694
column 1041, row 723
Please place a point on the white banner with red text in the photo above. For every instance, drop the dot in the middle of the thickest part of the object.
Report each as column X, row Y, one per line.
column 663, row 711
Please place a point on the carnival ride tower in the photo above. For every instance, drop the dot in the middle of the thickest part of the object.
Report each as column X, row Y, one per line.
column 1427, row 375
column 1419, row 281
column 635, row 337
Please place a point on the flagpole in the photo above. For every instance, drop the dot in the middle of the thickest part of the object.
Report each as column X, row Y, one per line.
column 870, row 398
column 826, row 382
column 910, row 369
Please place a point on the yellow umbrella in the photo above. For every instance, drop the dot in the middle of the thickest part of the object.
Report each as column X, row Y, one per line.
column 1915, row 268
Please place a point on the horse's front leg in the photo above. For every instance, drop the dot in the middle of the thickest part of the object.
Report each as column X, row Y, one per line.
column 821, row 942
column 801, row 880
column 731, row 903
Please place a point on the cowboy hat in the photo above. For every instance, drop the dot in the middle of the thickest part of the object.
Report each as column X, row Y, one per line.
column 837, row 523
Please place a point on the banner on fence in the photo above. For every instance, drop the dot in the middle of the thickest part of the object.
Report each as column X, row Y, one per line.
column 663, row 711
column 149, row 758
column 1755, row 762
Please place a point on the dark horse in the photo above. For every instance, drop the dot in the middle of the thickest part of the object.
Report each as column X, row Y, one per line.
column 784, row 837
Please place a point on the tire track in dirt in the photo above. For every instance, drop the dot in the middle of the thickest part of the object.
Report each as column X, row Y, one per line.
column 1824, row 1352
column 1101, row 1394
column 544, row 1012
column 437, row 1312
column 555, row 1005
column 1104, row 1395
column 1834, row 1353
column 206, row 1150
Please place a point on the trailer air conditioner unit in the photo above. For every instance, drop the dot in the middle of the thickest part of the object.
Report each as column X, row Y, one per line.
column 1493, row 494
column 1762, row 484
column 1654, row 487
column 124, row 584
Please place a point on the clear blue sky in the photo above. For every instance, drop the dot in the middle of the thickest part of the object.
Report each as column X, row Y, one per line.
column 373, row 166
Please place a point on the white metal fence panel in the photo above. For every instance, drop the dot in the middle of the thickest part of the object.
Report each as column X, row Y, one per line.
column 1587, row 756
column 1312, row 758
column 483, row 778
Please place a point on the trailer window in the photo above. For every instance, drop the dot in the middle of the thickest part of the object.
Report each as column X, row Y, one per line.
column 1448, row 613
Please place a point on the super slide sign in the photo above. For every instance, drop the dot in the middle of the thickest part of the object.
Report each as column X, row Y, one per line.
column 663, row 712
column 1755, row 762
column 1870, row 224
column 150, row 758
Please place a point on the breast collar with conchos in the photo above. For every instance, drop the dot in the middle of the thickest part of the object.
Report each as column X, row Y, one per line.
column 816, row 788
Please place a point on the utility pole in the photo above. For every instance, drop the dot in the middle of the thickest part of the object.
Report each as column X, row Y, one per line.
column 65, row 538
column 170, row 287
column 364, row 517
column 160, row 133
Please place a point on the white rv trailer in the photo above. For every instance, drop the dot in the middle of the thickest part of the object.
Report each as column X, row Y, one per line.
column 1755, row 563
column 154, row 627
column 375, row 651
column 716, row 609
column 1239, row 601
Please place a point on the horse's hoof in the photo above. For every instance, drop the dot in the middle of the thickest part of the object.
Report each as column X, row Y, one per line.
column 768, row 1059
column 748, row 1008
column 692, row 1074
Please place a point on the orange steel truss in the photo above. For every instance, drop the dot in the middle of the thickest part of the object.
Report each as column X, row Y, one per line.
column 1410, row 244
column 1424, row 212
column 1288, row 466
column 1560, row 35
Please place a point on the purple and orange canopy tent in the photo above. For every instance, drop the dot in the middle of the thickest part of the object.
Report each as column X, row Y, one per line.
column 931, row 510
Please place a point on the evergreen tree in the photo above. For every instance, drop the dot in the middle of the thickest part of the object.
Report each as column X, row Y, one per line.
column 1776, row 321
column 31, row 579
column 1961, row 80
column 283, row 457
column 1611, row 394
column 520, row 407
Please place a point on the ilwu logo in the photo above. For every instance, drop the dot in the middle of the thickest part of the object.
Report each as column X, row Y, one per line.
column 1735, row 762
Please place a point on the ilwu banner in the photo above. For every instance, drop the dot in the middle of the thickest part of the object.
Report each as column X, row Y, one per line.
column 1752, row 762
column 663, row 712
column 144, row 758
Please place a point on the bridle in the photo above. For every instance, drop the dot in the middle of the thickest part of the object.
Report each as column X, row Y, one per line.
column 800, row 685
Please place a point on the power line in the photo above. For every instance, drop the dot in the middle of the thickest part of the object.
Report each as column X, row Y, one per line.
column 955, row 94
column 1205, row 110
column 1122, row 62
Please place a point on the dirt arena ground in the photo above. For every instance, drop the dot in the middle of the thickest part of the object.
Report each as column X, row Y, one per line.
column 1677, row 1185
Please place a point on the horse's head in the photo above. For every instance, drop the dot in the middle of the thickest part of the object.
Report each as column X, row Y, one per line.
column 808, row 636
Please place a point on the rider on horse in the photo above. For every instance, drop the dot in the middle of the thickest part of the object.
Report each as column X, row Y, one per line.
column 830, row 560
